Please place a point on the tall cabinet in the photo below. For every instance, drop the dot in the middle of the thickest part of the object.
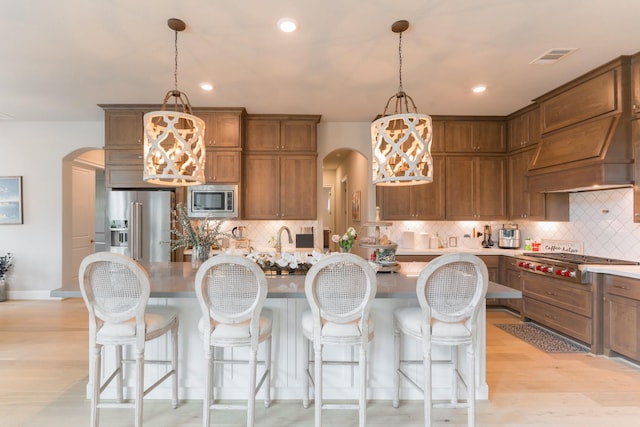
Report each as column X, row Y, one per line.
column 280, row 167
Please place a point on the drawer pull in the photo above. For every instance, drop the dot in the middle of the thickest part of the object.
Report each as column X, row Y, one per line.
column 549, row 293
column 621, row 287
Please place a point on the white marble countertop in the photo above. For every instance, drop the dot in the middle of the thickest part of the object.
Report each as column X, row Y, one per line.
column 475, row 251
column 632, row 271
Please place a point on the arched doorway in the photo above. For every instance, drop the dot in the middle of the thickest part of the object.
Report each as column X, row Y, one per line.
column 345, row 177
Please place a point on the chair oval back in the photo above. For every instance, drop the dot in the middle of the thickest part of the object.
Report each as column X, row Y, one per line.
column 231, row 288
column 115, row 288
column 451, row 287
column 340, row 287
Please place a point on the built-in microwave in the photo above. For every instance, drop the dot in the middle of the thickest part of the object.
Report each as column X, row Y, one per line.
column 213, row 201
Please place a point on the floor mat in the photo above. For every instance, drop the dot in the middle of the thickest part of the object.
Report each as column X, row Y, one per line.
column 543, row 339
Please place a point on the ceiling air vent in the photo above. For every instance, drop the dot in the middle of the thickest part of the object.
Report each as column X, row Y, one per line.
column 553, row 55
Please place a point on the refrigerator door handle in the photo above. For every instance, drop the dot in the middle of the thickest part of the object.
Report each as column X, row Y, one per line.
column 136, row 230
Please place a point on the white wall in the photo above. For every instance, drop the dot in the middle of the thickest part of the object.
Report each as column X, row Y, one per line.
column 34, row 150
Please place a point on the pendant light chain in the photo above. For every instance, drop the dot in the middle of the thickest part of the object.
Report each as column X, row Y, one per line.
column 400, row 90
column 175, row 71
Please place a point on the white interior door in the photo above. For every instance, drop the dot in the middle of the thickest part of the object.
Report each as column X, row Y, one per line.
column 82, row 217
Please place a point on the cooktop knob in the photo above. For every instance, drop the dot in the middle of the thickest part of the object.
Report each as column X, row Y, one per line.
column 539, row 268
column 559, row 272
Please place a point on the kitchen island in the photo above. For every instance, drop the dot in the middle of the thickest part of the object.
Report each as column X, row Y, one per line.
column 173, row 284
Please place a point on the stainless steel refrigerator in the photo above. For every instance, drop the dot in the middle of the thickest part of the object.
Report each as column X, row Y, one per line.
column 140, row 223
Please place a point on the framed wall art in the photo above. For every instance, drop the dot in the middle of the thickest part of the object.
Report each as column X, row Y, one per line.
column 10, row 200
column 355, row 206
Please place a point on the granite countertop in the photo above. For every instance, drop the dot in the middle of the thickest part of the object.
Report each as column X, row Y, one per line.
column 176, row 280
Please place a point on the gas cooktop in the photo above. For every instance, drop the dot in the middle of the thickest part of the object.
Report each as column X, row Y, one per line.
column 578, row 258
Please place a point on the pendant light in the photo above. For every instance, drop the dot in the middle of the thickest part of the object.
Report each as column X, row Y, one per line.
column 174, row 151
column 401, row 141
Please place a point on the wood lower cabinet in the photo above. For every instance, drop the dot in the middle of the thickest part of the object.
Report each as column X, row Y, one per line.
column 621, row 316
column 513, row 280
column 561, row 305
column 279, row 187
column 475, row 188
column 415, row 202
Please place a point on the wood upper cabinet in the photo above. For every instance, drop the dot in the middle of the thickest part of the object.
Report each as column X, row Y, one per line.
column 415, row 202
column 223, row 129
column 223, row 166
column 474, row 136
column 123, row 128
column 524, row 130
column 531, row 205
column 635, row 86
column 269, row 133
column 279, row 186
column 475, row 188
column 523, row 204
column 437, row 139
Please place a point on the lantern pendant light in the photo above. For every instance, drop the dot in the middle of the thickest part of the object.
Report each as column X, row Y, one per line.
column 401, row 141
column 174, row 150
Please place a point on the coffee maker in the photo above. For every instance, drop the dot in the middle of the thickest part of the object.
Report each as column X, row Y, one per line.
column 509, row 236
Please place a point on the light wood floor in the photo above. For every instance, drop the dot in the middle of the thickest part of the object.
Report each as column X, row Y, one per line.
column 43, row 371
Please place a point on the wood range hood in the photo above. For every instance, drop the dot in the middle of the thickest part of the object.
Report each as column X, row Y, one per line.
column 585, row 142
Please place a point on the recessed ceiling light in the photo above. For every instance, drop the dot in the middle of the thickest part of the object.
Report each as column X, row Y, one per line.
column 479, row 89
column 206, row 86
column 287, row 25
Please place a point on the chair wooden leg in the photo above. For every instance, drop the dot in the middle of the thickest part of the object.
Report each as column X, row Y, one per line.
column 428, row 404
column 397, row 345
column 318, row 383
column 139, row 386
column 305, row 370
column 96, row 352
column 363, row 386
column 455, row 363
column 267, row 381
column 119, row 375
column 174, row 364
column 471, row 386
column 251, row 404
column 208, row 386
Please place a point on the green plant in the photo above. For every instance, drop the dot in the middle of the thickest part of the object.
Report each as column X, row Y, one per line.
column 5, row 264
column 347, row 239
column 207, row 233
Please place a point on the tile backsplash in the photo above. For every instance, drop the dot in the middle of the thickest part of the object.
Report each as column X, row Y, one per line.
column 601, row 220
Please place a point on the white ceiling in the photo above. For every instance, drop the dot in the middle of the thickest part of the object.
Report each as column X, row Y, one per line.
column 61, row 58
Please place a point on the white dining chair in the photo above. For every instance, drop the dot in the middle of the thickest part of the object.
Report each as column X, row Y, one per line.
column 231, row 290
column 451, row 291
column 116, row 289
column 340, row 290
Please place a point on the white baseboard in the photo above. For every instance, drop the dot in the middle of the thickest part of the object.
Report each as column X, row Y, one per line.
column 40, row 295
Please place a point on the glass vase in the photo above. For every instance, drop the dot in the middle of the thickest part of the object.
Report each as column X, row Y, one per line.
column 199, row 254
column 344, row 250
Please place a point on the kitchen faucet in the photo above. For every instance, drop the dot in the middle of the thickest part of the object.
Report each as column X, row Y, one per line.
column 279, row 236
